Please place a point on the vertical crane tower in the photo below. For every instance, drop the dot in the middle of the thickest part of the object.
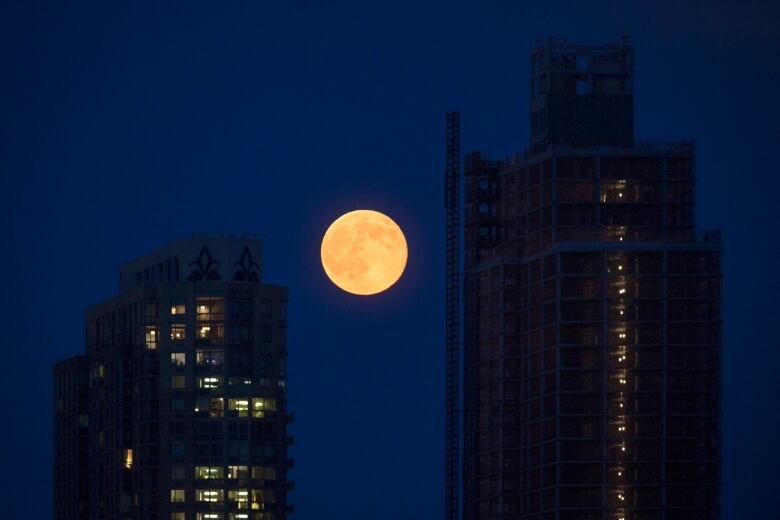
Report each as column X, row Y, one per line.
column 452, row 318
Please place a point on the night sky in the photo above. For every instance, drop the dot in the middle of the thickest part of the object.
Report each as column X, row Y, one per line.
column 123, row 125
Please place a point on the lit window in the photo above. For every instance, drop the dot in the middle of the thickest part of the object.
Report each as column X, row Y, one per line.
column 240, row 497
column 178, row 382
column 238, row 516
column 178, row 516
column 209, row 495
column 212, row 358
column 177, row 332
column 208, row 472
column 238, row 472
column 239, row 406
column 209, row 308
column 211, row 331
column 208, row 516
column 128, row 458
column 210, row 382
column 177, row 495
column 261, row 405
column 178, row 359
column 178, row 309
column 260, row 496
column 151, row 337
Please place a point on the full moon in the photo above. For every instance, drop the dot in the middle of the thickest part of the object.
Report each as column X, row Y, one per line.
column 364, row 252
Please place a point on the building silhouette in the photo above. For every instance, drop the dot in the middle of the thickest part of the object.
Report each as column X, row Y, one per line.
column 591, row 308
column 178, row 408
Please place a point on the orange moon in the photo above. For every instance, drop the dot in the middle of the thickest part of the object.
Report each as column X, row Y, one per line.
column 364, row 252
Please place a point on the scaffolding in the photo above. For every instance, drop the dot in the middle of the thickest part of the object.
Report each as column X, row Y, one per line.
column 452, row 318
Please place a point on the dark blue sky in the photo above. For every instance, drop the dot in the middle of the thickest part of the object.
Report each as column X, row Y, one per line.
column 123, row 125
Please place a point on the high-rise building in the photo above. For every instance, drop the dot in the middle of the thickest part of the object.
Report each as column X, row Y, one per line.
column 591, row 309
column 178, row 409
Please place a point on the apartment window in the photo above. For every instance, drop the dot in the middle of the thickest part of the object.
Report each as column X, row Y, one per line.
column 178, row 382
column 259, row 496
column 209, row 308
column 209, row 516
column 263, row 473
column 177, row 449
column 177, row 405
column 178, row 516
column 235, row 472
column 265, row 307
column 150, row 337
column 211, row 331
column 178, row 309
column 238, row 516
column 239, row 498
column 582, row 87
column 239, row 407
column 151, row 309
column 208, row 472
column 210, row 406
column 128, row 458
column 212, row 358
column 177, row 495
column 210, row 382
column 261, row 404
column 177, row 332
column 178, row 359
column 209, row 495
column 178, row 473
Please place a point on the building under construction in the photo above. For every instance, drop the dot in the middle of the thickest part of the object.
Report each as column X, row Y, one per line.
column 590, row 304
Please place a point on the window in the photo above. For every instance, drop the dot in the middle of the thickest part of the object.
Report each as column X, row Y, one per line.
column 239, row 407
column 259, row 496
column 212, row 358
column 177, row 473
column 238, row 516
column 262, row 404
column 211, row 331
column 177, row 405
column 210, row 382
column 151, row 309
column 177, row 495
column 177, row 332
column 582, row 87
column 177, row 449
column 150, row 337
column 208, row 472
column 178, row 309
column 178, row 382
column 128, row 458
column 178, row 359
column 263, row 473
column 209, row 406
column 209, row 495
column 239, row 498
column 178, row 516
column 209, row 516
column 265, row 307
column 238, row 472
column 209, row 308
